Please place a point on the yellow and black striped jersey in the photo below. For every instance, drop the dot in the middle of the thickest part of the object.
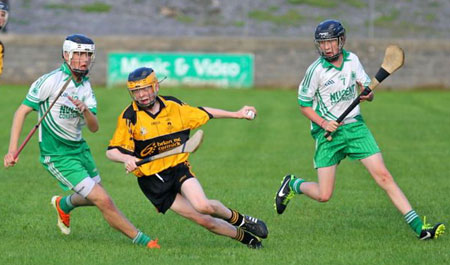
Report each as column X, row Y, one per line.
column 2, row 49
column 142, row 134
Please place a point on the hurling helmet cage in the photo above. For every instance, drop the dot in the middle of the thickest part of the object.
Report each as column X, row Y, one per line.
column 82, row 44
column 329, row 30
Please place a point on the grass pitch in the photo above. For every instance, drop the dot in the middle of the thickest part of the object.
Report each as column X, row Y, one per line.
column 241, row 163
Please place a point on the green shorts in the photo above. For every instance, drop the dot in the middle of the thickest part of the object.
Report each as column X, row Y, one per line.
column 71, row 169
column 353, row 140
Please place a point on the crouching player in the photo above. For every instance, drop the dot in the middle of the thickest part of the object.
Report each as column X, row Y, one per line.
column 152, row 124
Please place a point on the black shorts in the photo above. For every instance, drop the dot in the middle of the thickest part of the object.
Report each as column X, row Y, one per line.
column 162, row 188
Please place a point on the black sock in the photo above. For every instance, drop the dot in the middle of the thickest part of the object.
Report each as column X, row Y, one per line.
column 244, row 237
column 236, row 218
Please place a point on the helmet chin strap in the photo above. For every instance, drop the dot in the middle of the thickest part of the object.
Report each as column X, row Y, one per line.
column 333, row 58
column 149, row 105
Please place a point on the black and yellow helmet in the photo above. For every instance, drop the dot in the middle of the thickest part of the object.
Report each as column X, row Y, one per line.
column 143, row 77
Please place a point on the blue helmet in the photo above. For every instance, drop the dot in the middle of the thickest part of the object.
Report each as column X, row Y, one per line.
column 143, row 77
column 81, row 44
column 328, row 30
column 4, row 11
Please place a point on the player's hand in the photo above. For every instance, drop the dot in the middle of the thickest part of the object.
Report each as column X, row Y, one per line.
column 130, row 163
column 368, row 97
column 153, row 244
column 247, row 112
column 9, row 161
column 330, row 126
column 78, row 103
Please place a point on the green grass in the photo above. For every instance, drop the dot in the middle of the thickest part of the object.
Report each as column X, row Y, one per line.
column 388, row 19
column 291, row 17
column 328, row 3
column 96, row 7
column 185, row 19
column 316, row 3
column 241, row 163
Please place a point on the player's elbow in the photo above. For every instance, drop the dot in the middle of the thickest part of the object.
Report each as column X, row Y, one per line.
column 110, row 154
column 94, row 129
column 93, row 126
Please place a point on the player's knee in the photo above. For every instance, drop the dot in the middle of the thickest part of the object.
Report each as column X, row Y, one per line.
column 324, row 197
column 204, row 207
column 384, row 178
column 206, row 221
column 104, row 203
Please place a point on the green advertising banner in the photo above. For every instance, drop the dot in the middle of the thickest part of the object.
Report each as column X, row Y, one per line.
column 203, row 69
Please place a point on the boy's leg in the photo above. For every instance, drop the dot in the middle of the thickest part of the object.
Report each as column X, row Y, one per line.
column 291, row 185
column 323, row 190
column 376, row 167
column 384, row 179
column 193, row 192
column 115, row 218
column 216, row 225
column 110, row 212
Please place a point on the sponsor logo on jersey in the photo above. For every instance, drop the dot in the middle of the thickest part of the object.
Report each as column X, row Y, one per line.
column 66, row 112
column 161, row 146
column 343, row 95
column 329, row 82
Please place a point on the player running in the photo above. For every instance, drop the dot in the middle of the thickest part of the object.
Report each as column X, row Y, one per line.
column 64, row 152
column 330, row 85
column 153, row 124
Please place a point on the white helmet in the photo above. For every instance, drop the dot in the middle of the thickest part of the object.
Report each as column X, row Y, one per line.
column 5, row 9
column 79, row 43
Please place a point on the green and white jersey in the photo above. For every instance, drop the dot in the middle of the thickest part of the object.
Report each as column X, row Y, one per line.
column 330, row 90
column 60, row 131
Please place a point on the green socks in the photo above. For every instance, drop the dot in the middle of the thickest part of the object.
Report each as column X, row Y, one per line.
column 414, row 221
column 141, row 239
column 295, row 183
column 66, row 204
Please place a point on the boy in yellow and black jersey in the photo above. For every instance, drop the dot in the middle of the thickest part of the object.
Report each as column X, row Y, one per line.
column 141, row 133
column 153, row 124
column 4, row 10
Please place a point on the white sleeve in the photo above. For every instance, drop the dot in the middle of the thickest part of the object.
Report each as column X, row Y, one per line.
column 90, row 100
column 308, row 87
column 40, row 90
column 361, row 75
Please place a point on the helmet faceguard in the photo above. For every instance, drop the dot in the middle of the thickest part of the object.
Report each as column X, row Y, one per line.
column 329, row 30
column 79, row 44
column 143, row 78
column 4, row 11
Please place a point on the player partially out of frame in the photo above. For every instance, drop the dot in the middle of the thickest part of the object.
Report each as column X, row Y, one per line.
column 63, row 151
column 330, row 84
column 4, row 12
column 153, row 124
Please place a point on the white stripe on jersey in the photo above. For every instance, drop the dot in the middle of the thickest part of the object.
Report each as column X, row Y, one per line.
column 63, row 120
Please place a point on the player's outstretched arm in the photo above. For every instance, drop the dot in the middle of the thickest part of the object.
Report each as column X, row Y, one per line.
column 16, row 129
column 246, row 112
